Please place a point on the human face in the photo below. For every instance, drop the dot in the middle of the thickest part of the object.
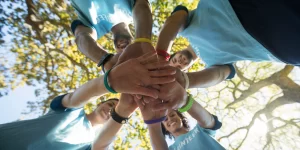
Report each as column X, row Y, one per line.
column 121, row 42
column 103, row 109
column 173, row 122
column 180, row 61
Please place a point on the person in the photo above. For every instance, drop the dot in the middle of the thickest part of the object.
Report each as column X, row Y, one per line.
column 183, row 59
column 66, row 126
column 96, row 18
column 175, row 125
column 223, row 39
column 236, row 36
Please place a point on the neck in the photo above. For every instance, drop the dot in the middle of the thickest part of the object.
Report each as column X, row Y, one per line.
column 180, row 131
column 120, row 28
column 94, row 119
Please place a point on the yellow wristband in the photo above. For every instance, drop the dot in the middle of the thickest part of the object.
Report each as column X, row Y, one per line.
column 142, row 40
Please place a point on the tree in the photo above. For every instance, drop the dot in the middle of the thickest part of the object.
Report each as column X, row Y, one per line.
column 46, row 54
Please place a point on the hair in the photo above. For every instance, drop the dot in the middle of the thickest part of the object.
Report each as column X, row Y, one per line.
column 184, row 123
column 111, row 99
column 185, row 53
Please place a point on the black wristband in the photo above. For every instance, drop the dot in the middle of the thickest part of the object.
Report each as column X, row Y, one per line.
column 103, row 60
column 117, row 117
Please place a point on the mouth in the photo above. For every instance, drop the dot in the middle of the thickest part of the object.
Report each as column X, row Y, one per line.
column 122, row 44
column 106, row 114
column 172, row 123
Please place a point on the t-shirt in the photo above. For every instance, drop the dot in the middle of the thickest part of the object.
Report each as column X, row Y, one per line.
column 218, row 38
column 67, row 129
column 197, row 138
column 102, row 15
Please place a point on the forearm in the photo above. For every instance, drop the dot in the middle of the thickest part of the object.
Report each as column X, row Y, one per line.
column 170, row 29
column 110, row 129
column 93, row 89
column 203, row 117
column 157, row 138
column 142, row 19
column 89, row 47
column 208, row 77
column 106, row 135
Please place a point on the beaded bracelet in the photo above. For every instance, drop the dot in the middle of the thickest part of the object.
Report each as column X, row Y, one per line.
column 155, row 120
column 142, row 40
column 188, row 106
column 110, row 89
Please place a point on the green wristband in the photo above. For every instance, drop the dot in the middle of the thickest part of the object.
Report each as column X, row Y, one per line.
column 110, row 89
column 188, row 106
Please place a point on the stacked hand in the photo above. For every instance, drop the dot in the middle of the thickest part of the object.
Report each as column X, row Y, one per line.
column 140, row 71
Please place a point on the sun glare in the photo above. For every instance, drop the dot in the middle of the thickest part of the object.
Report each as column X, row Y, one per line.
column 259, row 127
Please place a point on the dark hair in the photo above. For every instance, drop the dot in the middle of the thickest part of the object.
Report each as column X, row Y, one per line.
column 185, row 53
column 111, row 99
column 184, row 123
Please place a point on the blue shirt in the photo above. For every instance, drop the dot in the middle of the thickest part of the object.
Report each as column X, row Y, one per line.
column 197, row 138
column 218, row 38
column 57, row 130
column 102, row 15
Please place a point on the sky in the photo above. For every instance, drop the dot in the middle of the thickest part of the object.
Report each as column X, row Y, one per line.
column 15, row 103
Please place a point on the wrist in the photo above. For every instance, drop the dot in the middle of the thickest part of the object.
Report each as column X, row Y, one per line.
column 123, row 112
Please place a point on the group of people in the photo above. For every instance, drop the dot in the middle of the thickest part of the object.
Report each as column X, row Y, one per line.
column 220, row 32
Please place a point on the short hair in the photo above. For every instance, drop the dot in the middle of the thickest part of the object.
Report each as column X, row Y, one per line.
column 185, row 53
column 111, row 99
column 184, row 123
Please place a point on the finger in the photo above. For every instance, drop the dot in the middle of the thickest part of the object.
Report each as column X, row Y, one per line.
column 147, row 92
column 138, row 96
column 155, row 86
column 139, row 103
column 160, row 80
column 146, row 99
column 162, row 106
column 158, row 65
column 144, row 58
column 161, row 73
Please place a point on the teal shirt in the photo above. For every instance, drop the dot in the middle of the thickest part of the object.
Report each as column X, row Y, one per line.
column 102, row 15
column 218, row 37
column 57, row 130
column 197, row 138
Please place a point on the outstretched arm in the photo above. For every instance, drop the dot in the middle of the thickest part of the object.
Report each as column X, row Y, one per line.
column 106, row 136
column 210, row 76
column 174, row 24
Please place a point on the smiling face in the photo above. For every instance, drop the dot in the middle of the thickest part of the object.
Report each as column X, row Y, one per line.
column 103, row 109
column 182, row 60
column 121, row 41
column 173, row 122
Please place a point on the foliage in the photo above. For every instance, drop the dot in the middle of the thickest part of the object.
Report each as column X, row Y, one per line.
column 46, row 54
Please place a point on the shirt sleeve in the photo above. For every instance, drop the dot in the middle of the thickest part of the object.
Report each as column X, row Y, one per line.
column 212, row 131
column 232, row 71
column 190, row 14
column 82, row 19
column 56, row 104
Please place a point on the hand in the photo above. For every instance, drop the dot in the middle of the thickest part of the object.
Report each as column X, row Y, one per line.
column 135, row 50
column 146, row 109
column 173, row 95
column 126, row 105
column 134, row 75
column 111, row 62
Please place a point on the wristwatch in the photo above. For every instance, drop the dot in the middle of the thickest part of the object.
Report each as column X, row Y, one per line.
column 117, row 117
column 104, row 59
